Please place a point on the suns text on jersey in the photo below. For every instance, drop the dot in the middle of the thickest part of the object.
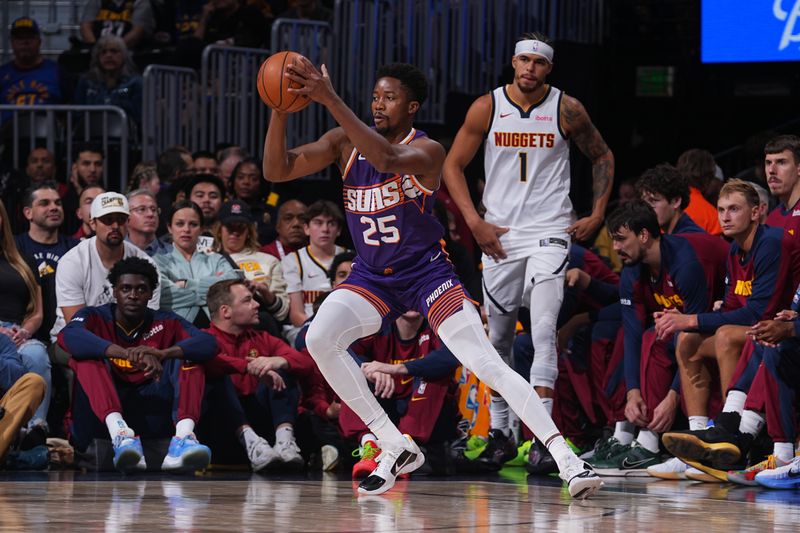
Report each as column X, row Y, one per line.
column 381, row 196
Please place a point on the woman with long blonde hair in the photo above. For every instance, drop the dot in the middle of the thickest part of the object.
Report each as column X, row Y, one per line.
column 21, row 315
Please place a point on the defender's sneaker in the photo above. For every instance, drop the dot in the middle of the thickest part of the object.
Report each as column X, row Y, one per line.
column 391, row 464
column 186, row 455
column 128, row 454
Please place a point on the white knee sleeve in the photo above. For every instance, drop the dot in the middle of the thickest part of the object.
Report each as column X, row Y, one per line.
column 546, row 297
column 343, row 318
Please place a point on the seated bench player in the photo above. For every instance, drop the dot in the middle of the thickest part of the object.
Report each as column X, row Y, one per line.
column 253, row 407
column 141, row 364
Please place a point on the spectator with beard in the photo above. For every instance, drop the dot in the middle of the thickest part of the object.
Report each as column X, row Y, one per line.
column 86, row 171
column 208, row 192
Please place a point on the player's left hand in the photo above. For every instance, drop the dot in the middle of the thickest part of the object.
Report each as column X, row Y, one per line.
column 584, row 228
column 771, row 332
column 670, row 322
column 384, row 385
column 664, row 413
column 372, row 367
column 150, row 365
column 137, row 353
column 274, row 380
column 316, row 84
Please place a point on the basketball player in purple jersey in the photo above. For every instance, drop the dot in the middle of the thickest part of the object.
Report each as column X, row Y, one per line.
column 391, row 173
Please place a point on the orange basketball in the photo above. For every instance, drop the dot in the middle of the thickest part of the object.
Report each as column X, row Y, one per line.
column 273, row 85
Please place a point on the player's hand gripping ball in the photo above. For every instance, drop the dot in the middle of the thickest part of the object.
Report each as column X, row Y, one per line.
column 273, row 86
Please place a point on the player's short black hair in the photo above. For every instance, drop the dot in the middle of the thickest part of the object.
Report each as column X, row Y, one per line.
column 411, row 78
column 664, row 180
column 30, row 192
column 338, row 259
column 780, row 143
column 134, row 265
column 636, row 215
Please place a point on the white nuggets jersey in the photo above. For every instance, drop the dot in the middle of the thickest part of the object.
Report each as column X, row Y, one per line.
column 305, row 273
column 527, row 172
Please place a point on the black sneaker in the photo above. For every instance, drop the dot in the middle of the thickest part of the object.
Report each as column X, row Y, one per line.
column 499, row 449
column 35, row 436
column 720, row 445
column 540, row 461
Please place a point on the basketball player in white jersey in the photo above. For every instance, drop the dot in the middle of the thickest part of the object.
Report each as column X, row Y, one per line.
column 526, row 232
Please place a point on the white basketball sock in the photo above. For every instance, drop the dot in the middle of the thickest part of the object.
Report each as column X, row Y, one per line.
column 696, row 423
column 734, row 402
column 498, row 414
column 783, row 451
column 751, row 422
column 184, row 428
column 548, row 405
column 623, row 432
column 648, row 440
column 116, row 426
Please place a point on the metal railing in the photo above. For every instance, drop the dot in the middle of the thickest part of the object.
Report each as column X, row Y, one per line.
column 231, row 108
column 171, row 112
column 60, row 127
column 313, row 40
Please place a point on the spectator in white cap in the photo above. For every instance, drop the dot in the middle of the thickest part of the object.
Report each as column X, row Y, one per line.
column 82, row 275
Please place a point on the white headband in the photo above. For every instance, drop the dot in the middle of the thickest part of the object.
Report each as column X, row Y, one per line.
column 538, row 48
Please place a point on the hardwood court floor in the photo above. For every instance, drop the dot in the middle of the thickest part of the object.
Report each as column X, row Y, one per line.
column 70, row 501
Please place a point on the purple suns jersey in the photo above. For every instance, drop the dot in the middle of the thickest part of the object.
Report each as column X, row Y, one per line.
column 390, row 216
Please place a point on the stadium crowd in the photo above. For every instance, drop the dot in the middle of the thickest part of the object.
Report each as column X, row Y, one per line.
column 166, row 323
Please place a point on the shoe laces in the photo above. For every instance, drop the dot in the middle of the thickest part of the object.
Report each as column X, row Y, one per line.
column 367, row 451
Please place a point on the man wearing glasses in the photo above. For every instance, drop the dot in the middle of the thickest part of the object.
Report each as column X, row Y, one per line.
column 143, row 223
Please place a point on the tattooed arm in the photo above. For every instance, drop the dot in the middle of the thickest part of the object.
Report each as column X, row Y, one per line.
column 577, row 125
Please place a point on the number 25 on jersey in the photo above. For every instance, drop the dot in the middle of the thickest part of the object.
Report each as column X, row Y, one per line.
column 380, row 230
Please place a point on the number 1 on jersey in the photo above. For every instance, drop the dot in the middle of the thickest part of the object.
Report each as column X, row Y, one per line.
column 523, row 167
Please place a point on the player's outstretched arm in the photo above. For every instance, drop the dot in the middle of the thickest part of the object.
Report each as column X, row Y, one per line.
column 423, row 158
column 465, row 146
column 579, row 127
column 281, row 164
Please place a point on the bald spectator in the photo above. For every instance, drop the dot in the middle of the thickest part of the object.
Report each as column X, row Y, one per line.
column 228, row 158
column 84, row 211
